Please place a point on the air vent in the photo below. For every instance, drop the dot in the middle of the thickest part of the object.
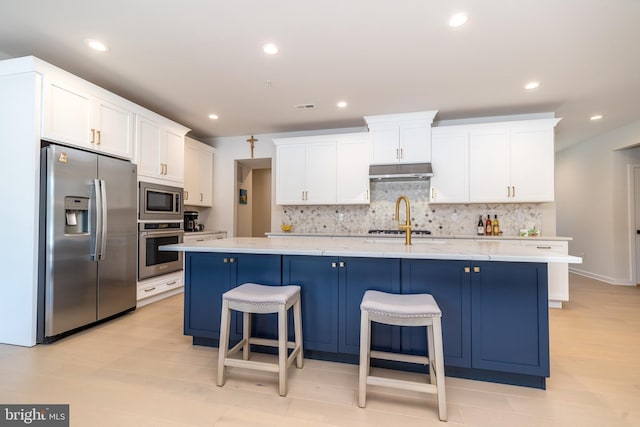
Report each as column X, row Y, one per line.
column 306, row 106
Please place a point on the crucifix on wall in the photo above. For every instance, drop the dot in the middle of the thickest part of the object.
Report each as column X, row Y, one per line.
column 252, row 141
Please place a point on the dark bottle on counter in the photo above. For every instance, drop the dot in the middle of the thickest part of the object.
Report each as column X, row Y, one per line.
column 488, row 226
column 496, row 226
column 480, row 226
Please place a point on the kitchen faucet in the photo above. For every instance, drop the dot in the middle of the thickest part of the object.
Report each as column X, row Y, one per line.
column 407, row 223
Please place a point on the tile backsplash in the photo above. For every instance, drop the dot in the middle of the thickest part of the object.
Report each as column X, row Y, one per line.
column 453, row 219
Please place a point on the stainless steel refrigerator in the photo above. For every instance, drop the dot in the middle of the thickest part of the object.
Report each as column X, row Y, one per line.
column 88, row 240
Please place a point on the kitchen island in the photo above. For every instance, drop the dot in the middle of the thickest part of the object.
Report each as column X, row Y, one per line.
column 493, row 295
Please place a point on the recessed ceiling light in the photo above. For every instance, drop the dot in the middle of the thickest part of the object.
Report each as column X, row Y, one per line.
column 341, row 104
column 458, row 19
column 596, row 117
column 213, row 116
column 532, row 85
column 97, row 45
column 270, row 49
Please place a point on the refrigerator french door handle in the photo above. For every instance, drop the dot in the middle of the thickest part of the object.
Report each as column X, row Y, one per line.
column 103, row 203
column 98, row 230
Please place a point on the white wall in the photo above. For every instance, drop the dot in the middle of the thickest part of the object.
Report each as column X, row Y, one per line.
column 592, row 203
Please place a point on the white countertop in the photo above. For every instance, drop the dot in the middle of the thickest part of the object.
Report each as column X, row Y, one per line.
column 382, row 247
column 418, row 236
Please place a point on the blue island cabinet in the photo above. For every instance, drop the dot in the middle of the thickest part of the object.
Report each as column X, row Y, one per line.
column 332, row 289
column 495, row 317
column 208, row 276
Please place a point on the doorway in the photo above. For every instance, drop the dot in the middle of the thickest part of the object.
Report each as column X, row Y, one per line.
column 253, row 197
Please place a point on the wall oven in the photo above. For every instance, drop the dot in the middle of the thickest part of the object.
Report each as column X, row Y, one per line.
column 151, row 260
column 159, row 202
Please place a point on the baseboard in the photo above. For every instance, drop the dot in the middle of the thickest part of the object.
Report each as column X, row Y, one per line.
column 605, row 279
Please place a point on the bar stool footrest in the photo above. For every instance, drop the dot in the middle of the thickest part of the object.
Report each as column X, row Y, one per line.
column 402, row 384
column 397, row 357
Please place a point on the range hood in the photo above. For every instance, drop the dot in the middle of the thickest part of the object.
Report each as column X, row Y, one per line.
column 401, row 172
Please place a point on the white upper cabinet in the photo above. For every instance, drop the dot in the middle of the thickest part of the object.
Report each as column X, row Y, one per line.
column 532, row 163
column 505, row 162
column 489, row 164
column 400, row 138
column 198, row 173
column 306, row 171
column 291, row 173
column 160, row 150
column 450, row 162
column 322, row 170
column 84, row 116
column 353, row 169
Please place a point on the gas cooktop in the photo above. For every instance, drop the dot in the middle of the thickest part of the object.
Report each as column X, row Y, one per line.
column 416, row 232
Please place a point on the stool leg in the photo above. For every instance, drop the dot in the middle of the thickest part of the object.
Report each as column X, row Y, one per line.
column 246, row 335
column 282, row 349
column 223, row 345
column 297, row 326
column 430, row 353
column 439, row 358
column 365, row 329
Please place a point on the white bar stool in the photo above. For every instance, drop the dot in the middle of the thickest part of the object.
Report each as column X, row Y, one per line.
column 402, row 310
column 253, row 298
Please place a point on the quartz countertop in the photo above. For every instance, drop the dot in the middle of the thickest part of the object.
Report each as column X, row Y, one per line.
column 382, row 247
column 197, row 233
column 418, row 236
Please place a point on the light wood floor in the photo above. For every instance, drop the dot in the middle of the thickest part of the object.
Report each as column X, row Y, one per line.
column 140, row 370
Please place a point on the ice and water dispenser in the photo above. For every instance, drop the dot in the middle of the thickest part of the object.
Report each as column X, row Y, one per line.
column 76, row 211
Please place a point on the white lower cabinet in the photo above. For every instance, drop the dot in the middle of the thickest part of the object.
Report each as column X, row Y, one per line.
column 558, row 272
column 157, row 288
column 201, row 236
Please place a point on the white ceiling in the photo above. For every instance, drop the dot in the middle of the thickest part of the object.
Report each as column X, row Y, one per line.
column 187, row 59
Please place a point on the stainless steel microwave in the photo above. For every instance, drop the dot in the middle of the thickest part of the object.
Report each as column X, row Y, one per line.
column 160, row 202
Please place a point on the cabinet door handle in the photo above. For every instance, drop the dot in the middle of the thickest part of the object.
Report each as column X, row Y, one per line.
column 93, row 136
column 476, row 269
column 513, row 191
column 200, row 196
column 334, row 265
column 543, row 247
column 173, row 282
column 467, row 270
column 150, row 289
column 397, row 154
column 225, row 260
column 99, row 137
column 433, row 193
column 401, row 153
column 367, row 196
column 508, row 191
column 341, row 264
column 232, row 260
column 186, row 195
